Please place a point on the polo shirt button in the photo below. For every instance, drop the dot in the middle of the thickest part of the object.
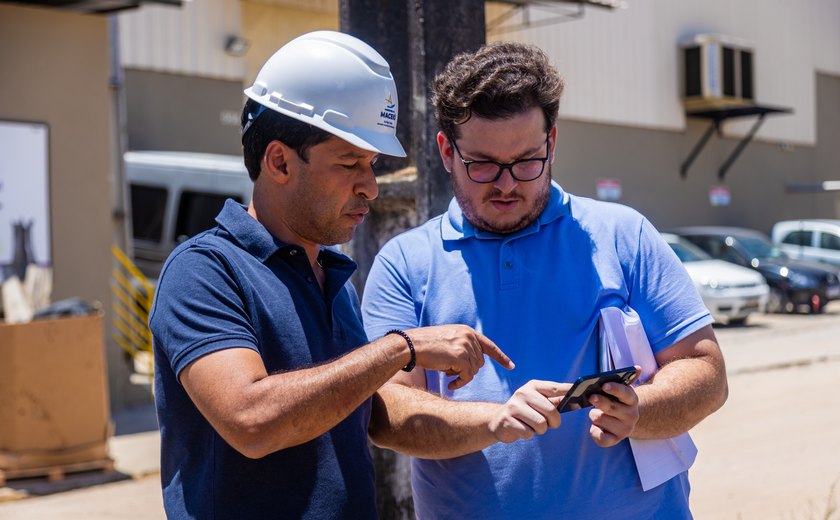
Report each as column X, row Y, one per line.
column 293, row 252
column 508, row 265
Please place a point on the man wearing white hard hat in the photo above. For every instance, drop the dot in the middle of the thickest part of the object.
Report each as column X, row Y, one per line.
column 263, row 372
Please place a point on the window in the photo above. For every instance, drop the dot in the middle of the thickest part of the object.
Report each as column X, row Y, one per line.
column 717, row 248
column 197, row 212
column 799, row 238
column 830, row 241
column 148, row 206
column 730, row 254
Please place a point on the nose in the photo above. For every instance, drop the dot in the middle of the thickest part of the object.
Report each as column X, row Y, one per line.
column 367, row 187
column 506, row 183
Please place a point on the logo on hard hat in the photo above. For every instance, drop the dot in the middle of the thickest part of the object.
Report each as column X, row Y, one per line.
column 388, row 115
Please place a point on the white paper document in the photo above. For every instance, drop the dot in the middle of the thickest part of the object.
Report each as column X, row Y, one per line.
column 623, row 343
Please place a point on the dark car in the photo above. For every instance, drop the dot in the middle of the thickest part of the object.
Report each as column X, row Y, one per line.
column 793, row 283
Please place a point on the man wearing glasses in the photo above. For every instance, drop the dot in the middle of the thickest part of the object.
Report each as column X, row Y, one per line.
column 530, row 266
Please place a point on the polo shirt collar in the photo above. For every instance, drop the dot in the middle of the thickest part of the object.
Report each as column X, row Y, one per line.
column 455, row 227
column 255, row 238
column 245, row 229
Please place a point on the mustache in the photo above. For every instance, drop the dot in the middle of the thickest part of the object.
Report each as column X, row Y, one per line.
column 497, row 194
column 359, row 207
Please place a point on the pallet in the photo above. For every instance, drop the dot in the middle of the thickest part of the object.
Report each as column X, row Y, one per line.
column 57, row 472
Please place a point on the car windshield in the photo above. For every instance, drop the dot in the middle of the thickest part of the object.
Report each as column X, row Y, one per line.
column 760, row 248
column 688, row 252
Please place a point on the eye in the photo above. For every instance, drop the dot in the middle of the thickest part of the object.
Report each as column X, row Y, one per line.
column 350, row 166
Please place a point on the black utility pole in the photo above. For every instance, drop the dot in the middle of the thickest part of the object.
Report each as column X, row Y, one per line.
column 417, row 37
column 438, row 30
column 383, row 24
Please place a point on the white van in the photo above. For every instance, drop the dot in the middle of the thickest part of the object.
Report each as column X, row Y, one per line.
column 175, row 195
column 814, row 239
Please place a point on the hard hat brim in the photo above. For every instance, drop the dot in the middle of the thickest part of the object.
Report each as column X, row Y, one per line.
column 379, row 143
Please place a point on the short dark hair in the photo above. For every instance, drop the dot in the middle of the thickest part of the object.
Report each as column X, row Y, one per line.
column 271, row 126
column 497, row 81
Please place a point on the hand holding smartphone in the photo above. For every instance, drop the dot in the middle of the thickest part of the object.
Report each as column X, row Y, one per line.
column 586, row 386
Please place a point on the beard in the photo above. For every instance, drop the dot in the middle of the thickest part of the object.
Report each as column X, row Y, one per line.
column 498, row 225
column 314, row 216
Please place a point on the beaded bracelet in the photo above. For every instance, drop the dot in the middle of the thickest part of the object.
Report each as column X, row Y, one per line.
column 410, row 366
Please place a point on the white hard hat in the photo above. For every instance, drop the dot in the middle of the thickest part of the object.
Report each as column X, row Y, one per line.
column 334, row 82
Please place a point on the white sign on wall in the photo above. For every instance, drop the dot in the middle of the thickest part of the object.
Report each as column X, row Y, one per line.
column 24, row 194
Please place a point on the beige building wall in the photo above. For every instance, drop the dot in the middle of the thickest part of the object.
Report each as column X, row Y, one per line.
column 54, row 70
column 271, row 24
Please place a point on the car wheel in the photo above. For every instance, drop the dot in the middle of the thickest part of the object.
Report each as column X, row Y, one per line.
column 777, row 301
column 737, row 322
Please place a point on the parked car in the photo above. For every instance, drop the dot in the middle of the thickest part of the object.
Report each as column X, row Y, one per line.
column 811, row 239
column 175, row 195
column 729, row 291
column 794, row 284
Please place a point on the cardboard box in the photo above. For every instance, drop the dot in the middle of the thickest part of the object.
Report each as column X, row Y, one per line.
column 53, row 393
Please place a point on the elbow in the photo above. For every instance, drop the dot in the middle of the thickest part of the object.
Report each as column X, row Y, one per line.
column 376, row 433
column 723, row 394
column 381, row 435
column 380, row 428
column 249, row 445
column 377, row 438
column 716, row 396
column 252, row 438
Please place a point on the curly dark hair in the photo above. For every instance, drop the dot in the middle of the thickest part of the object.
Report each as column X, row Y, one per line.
column 274, row 126
column 497, row 81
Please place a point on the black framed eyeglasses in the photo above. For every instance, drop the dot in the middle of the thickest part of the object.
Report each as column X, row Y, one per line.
column 523, row 170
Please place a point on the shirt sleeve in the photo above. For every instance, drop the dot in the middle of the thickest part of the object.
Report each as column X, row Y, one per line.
column 198, row 309
column 388, row 301
column 662, row 292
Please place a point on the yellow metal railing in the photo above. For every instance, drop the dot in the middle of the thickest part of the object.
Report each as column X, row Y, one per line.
column 132, row 303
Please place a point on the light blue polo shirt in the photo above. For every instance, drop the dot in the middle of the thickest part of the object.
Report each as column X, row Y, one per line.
column 537, row 294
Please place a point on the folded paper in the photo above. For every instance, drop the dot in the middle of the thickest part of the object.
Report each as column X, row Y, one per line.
column 623, row 343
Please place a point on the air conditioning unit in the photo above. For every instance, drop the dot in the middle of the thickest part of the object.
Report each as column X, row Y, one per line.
column 717, row 72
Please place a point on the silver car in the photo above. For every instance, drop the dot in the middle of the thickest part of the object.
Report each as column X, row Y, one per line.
column 730, row 292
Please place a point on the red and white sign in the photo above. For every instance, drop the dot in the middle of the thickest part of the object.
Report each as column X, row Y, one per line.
column 719, row 196
column 608, row 189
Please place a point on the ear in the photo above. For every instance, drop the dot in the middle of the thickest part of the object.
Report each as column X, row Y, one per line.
column 552, row 143
column 445, row 149
column 275, row 162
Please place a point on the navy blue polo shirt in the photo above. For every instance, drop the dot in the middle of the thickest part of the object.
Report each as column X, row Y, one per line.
column 237, row 286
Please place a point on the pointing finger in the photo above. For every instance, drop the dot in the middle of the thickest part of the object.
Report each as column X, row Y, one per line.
column 492, row 350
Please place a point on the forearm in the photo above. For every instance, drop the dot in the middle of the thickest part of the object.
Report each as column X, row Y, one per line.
column 680, row 395
column 417, row 423
column 277, row 411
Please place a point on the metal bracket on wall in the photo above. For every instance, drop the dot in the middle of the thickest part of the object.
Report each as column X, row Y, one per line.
column 558, row 11
column 718, row 116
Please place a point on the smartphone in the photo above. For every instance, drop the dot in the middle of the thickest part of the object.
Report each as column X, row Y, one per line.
column 586, row 386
